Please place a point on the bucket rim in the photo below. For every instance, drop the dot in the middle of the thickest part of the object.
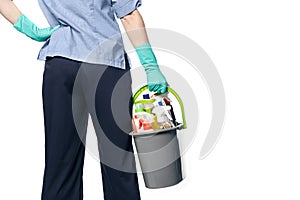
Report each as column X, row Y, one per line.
column 147, row 133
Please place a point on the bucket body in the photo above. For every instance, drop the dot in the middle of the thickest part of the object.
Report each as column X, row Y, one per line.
column 159, row 157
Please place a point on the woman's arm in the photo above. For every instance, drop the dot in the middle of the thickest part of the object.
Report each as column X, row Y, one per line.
column 135, row 28
column 9, row 11
column 20, row 22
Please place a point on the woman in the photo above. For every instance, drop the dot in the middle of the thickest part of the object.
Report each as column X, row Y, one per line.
column 9, row 10
column 89, row 43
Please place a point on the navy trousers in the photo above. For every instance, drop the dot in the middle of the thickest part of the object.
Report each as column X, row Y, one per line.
column 71, row 91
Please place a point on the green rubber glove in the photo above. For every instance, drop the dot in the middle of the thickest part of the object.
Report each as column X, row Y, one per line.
column 24, row 25
column 155, row 79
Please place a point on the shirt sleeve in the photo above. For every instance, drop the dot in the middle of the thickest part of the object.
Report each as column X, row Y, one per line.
column 124, row 7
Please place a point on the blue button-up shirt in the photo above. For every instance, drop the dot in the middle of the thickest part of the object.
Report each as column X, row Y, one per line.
column 89, row 31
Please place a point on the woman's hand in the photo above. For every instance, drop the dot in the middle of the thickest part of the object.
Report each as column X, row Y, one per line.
column 10, row 11
column 24, row 25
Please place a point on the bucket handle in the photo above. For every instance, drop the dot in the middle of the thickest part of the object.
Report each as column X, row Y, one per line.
column 145, row 87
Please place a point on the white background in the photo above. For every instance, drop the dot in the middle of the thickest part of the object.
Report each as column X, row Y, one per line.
column 255, row 46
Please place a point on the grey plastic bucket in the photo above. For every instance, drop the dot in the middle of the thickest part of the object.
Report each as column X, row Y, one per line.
column 159, row 153
column 159, row 158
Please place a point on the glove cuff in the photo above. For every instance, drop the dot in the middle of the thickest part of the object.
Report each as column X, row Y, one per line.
column 146, row 56
column 21, row 24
